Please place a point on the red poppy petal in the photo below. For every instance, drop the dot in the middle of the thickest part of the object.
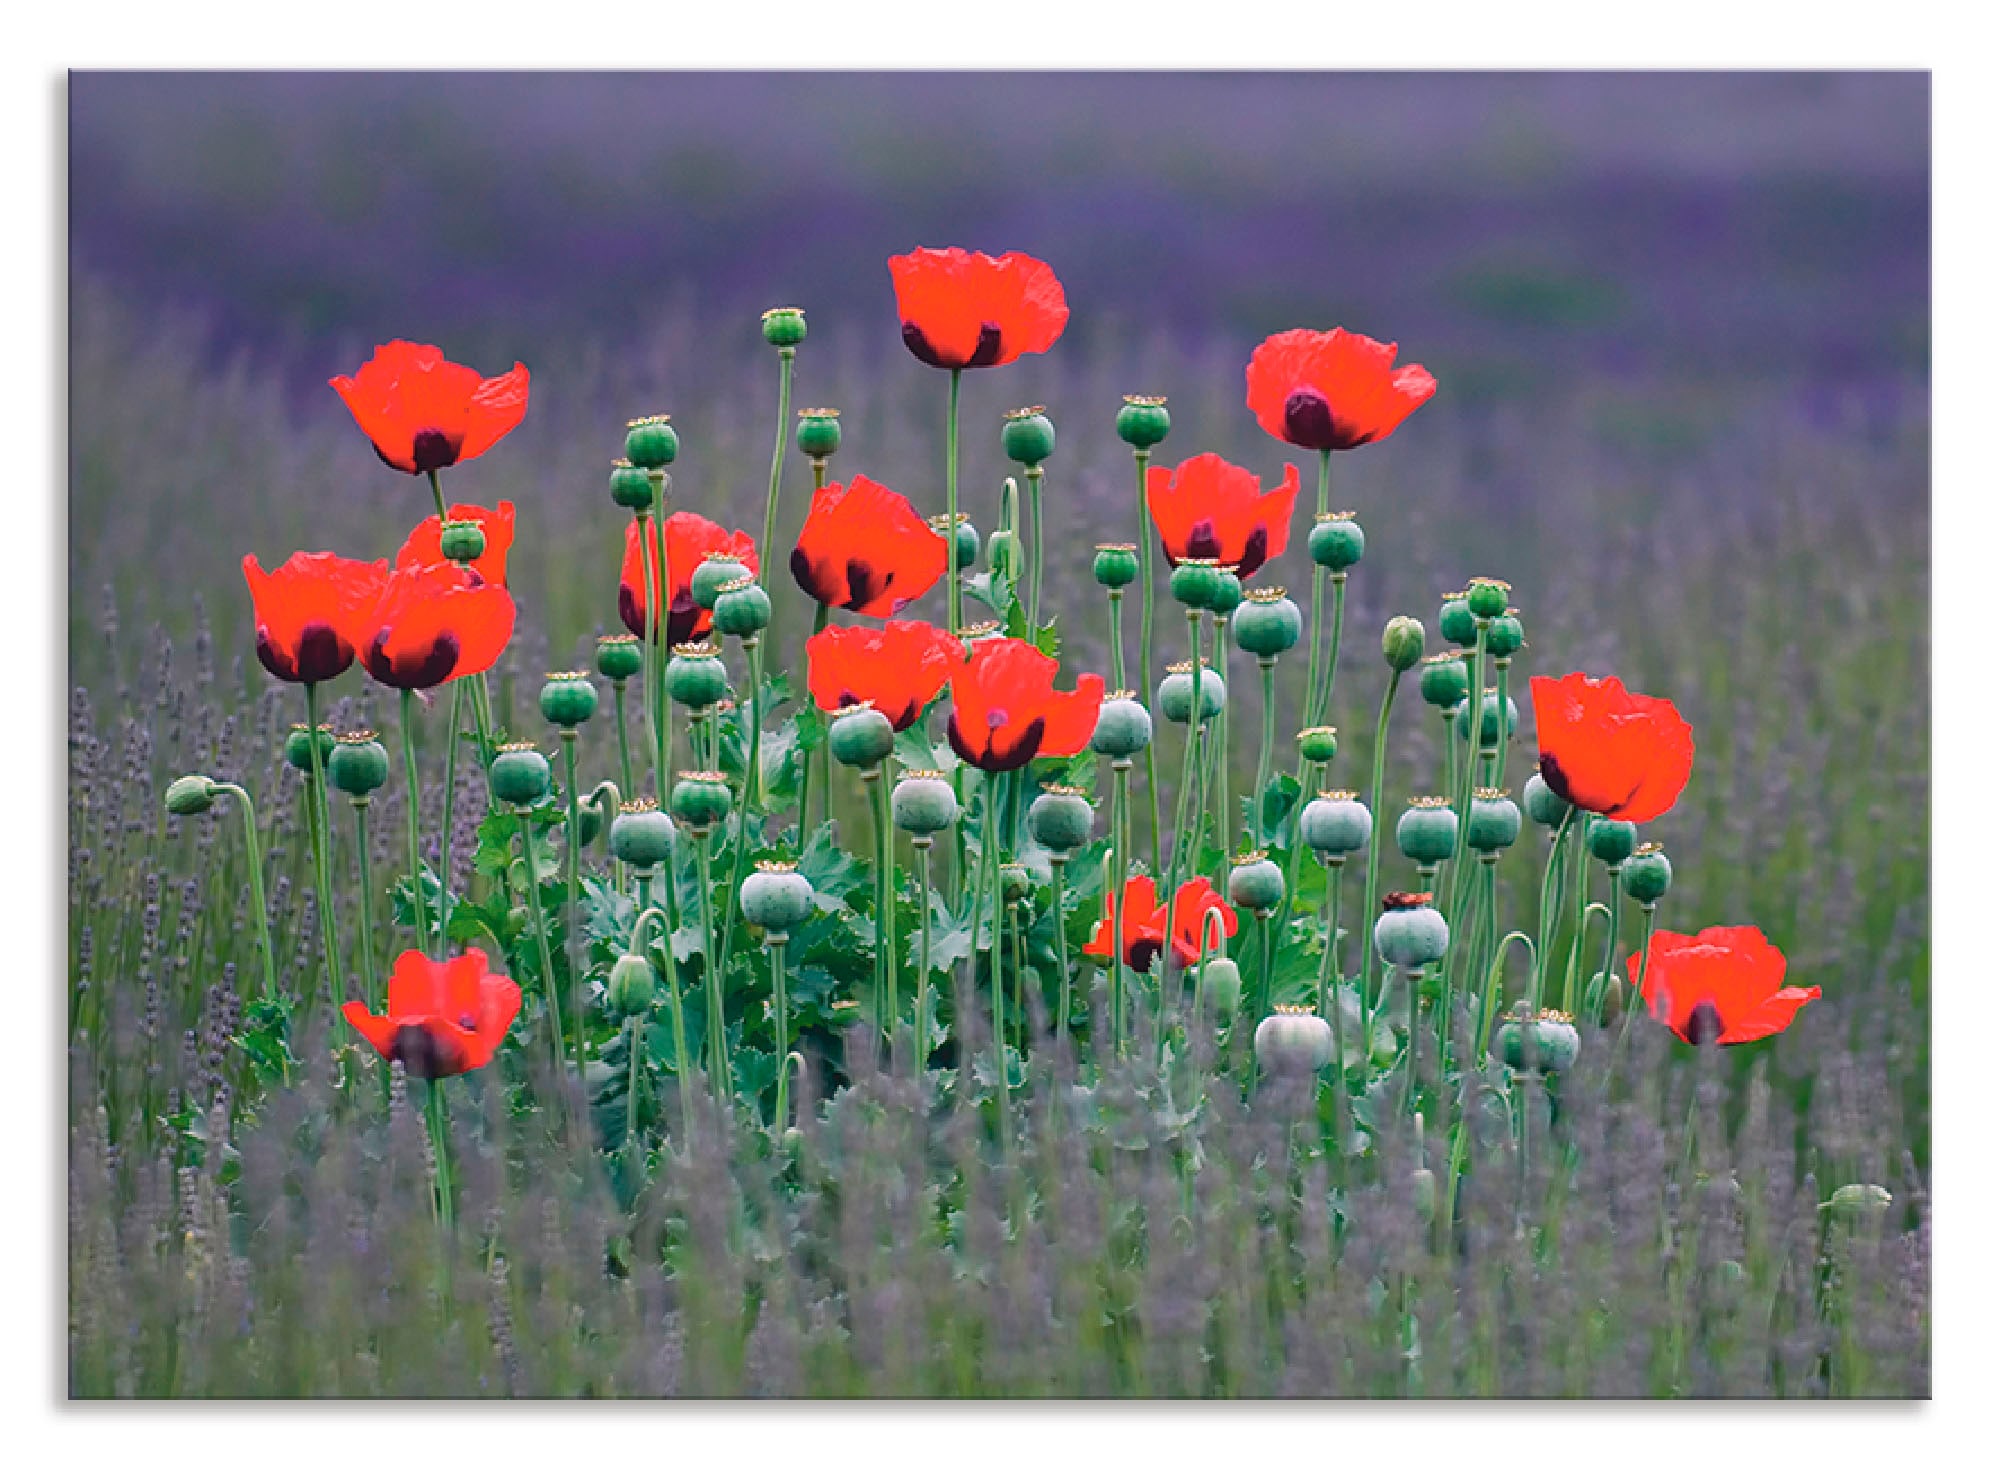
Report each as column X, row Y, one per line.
column 378, row 1030
column 494, row 410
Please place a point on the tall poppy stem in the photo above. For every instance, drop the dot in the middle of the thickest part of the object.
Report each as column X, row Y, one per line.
column 1544, row 931
column 682, row 1068
column 450, row 806
column 1034, row 475
column 774, row 944
column 785, row 358
column 885, row 901
column 718, row 1039
column 1313, row 698
column 361, row 804
column 951, row 502
column 624, row 738
column 1329, row 964
column 1267, row 680
column 1225, row 813
column 1580, row 882
column 1058, row 864
column 573, row 842
column 1116, row 596
column 437, row 495
column 257, row 902
column 1634, row 1001
column 995, row 977
column 1475, row 737
column 322, row 839
column 542, row 942
column 440, row 1130
column 1121, row 841
column 753, row 759
column 1496, row 767
column 1375, row 811
column 419, row 904
column 920, row 1049
column 1140, row 458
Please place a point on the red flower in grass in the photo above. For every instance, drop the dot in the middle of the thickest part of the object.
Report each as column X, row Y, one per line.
column 424, row 547
column 1332, row 389
column 898, row 667
column 1620, row 754
column 436, row 623
column 1725, row 985
column 1005, row 710
column 1145, row 922
column 444, row 1018
column 960, row 308
column 312, row 612
column 1207, row 509
column 423, row 413
column 689, row 540
column 863, row 549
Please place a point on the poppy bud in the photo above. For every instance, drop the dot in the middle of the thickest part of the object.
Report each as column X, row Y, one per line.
column 1493, row 822
column 964, row 542
column 1116, row 565
column 1444, row 680
column 717, row 570
column 742, row 608
column 1860, row 1200
column 519, row 774
column 1410, row 933
column 923, row 803
column 1647, row 875
column 1256, row 882
column 631, row 988
column 819, row 432
column 1198, row 583
column 1319, row 744
column 1403, row 643
column 462, row 540
column 861, row 736
column 298, row 751
column 1003, row 555
column 1489, row 719
column 650, row 443
column 359, row 765
column 1221, row 987
column 701, row 798
column 1486, row 598
column 1611, row 842
column 784, row 326
column 589, row 821
column 1027, row 436
column 1504, row 637
column 619, row 657
column 1013, row 883
column 695, row 676
column 631, row 486
column 1336, row 541
column 1424, row 1193
column 641, row 835
column 1456, row 624
column 776, row 897
column 1124, row 727
column 1293, row 1041
column 191, row 795
column 568, row 699
column 1144, row 422
column 1175, row 695
column 1612, row 1004
column 1060, row 818
column 1335, row 823
column 1545, row 807
column 1267, row 623
column 1427, row 833
column 1550, row 1036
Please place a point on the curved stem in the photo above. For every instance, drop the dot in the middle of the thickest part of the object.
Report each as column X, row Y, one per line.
column 1375, row 809
column 256, row 852
column 682, row 1068
column 1057, row 866
column 322, row 839
column 419, row 904
column 1544, row 937
column 542, row 939
column 1489, row 1005
column 785, row 357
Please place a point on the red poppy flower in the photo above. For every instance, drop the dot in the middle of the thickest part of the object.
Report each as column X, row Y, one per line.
column 1208, row 509
column 1005, row 710
column 1332, row 389
column 864, row 549
column 434, row 623
column 1145, row 922
column 898, row 667
column 689, row 541
column 444, row 1018
column 960, row 308
column 1725, row 985
column 1620, row 754
column 312, row 612
column 424, row 413
column 1193, row 901
column 424, row 547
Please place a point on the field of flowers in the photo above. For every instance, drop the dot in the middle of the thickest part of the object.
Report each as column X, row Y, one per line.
column 743, row 930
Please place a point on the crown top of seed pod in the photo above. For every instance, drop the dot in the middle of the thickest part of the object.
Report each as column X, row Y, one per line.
column 696, row 650
column 719, row 555
column 610, row 638
column 1025, row 412
column 1293, row 1009
column 819, row 412
column 567, row 675
column 1490, row 792
column 638, row 807
column 1318, row 729
column 1247, row 858
column 1332, row 517
column 920, row 775
column 1486, row 581
column 1183, row 666
column 1116, row 545
column 784, row 311
column 1400, row 901
column 1430, row 802
column 1267, row 593
column 860, row 705
column 621, row 463
column 1200, row 561
column 1458, row 595
column 720, row 706
column 740, row 583
column 1449, row 655
column 777, row 867
column 938, row 522
column 514, row 748
column 1141, row 400
column 846, row 1004
column 979, row 629
column 1337, row 795
column 356, row 736
column 458, row 524
column 1555, row 1016
column 704, row 777
column 646, row 422
column 1052, row 788
column 301, row 728
column 1649, row 848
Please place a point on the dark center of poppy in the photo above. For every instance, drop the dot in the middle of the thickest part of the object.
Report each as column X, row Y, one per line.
column 420, row 1052
column 413, row 668
column 1254, row 551
column 1704, row 1026
column 1311, row 423
column 984, row 354
column 430, row 450
column 1202, row 543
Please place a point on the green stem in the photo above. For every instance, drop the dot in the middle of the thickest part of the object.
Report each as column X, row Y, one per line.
column 1318, row 599
column 682, row 1067
column 418, row 903
column 1057, row 865
column 440, row 1129
column 1475, row 733
column 1267, row 678
column 1616, row 906
column 1323, row 701
column 1496, row 770
column 920, row 1051
column 1634, row 1001
column 624, row 739
column 542, row 939
column 956, row 623
column 1580, row 881
column 752, row 765
column 1544, row 937
column 989, row 862
column 1329, row 960
column 634, row 1033
column 1121, row 777
column 322, row 838
column 437, row 495
column 257, row 902
column 1375, row 809
column 572, row 934
column 885, row 902
column 718, row 1039
column 1146, row 542
column 785, row 356
column 1034, row 476
column 1115, row 598
column 374, row 998
column 774, row 943
column 444, row 836
column 1225, row 812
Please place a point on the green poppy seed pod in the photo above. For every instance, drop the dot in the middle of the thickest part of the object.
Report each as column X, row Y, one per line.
column 776, row 897
column 861, row 736
column 1489, row 719
column 1221, row 987
column 1424, row 1193
column 1293, row 1041
column 519, row 774
column 1456, row 624
column 1550, row 1035
column 1256, row 882
column 1319, row 744
column 1124, row 727
column 1144, row 422
column 923, row 803
column 1060, row 818
column 1197, row 583
column 819, row 432
column 964, row 541
column 784, row 326
column 742, row 608
column 717, row 570
column 696, row 677
column 1545, row 807
column 1486, row 598
column 1410, row 932
column 651, row 443
column 1646, row 875
column 1175, row 695
column 1336, row 541
column 1403, row 643
column 1612, row 842
column 1004, row 555
column 619, row 657
column 1228, row 593
column 1027, row 437
column 191, row 795
column 1427, row 833
column 589, row 821
column 1116, row 565
column 299, row 752
column 1504, row 637
column 359, row 765
column 631, row 486
column 631, row 988
column 1267, row 623
column 1493, row 822
column 462, row 540
column 1444, row 680
column 568, row 699
column 1860, row 1200
column 700, row 799
column 642, row 835
column 1014, row 886
column 1335, row 823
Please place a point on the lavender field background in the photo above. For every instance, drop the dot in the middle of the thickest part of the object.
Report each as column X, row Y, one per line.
column 1681, row 327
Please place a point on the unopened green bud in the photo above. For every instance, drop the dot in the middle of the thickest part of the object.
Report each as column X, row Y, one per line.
column 650, row 443
column 1124, row 727
column 359, row 765
column 784, row 326
column 642, row 835
column 1545, row 807
column 1403, row 643
column 1267, row 623
column 1027, row 437
column 568, row 699
column 1014, row 886
column 1444, row 680
column 776, row 897
column 717, row 570
column 519, row 774
column 191, row 795
column 861, row 736
column 1336, row 541
column 1427, row 833
column 1646, row 875
column 1860, row 1200
column 1221, row 987
column 1060, row 818
column 631, row 988
column 1003, row 555
column 1144, row 422
column 923, row 803
column 819, row 432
